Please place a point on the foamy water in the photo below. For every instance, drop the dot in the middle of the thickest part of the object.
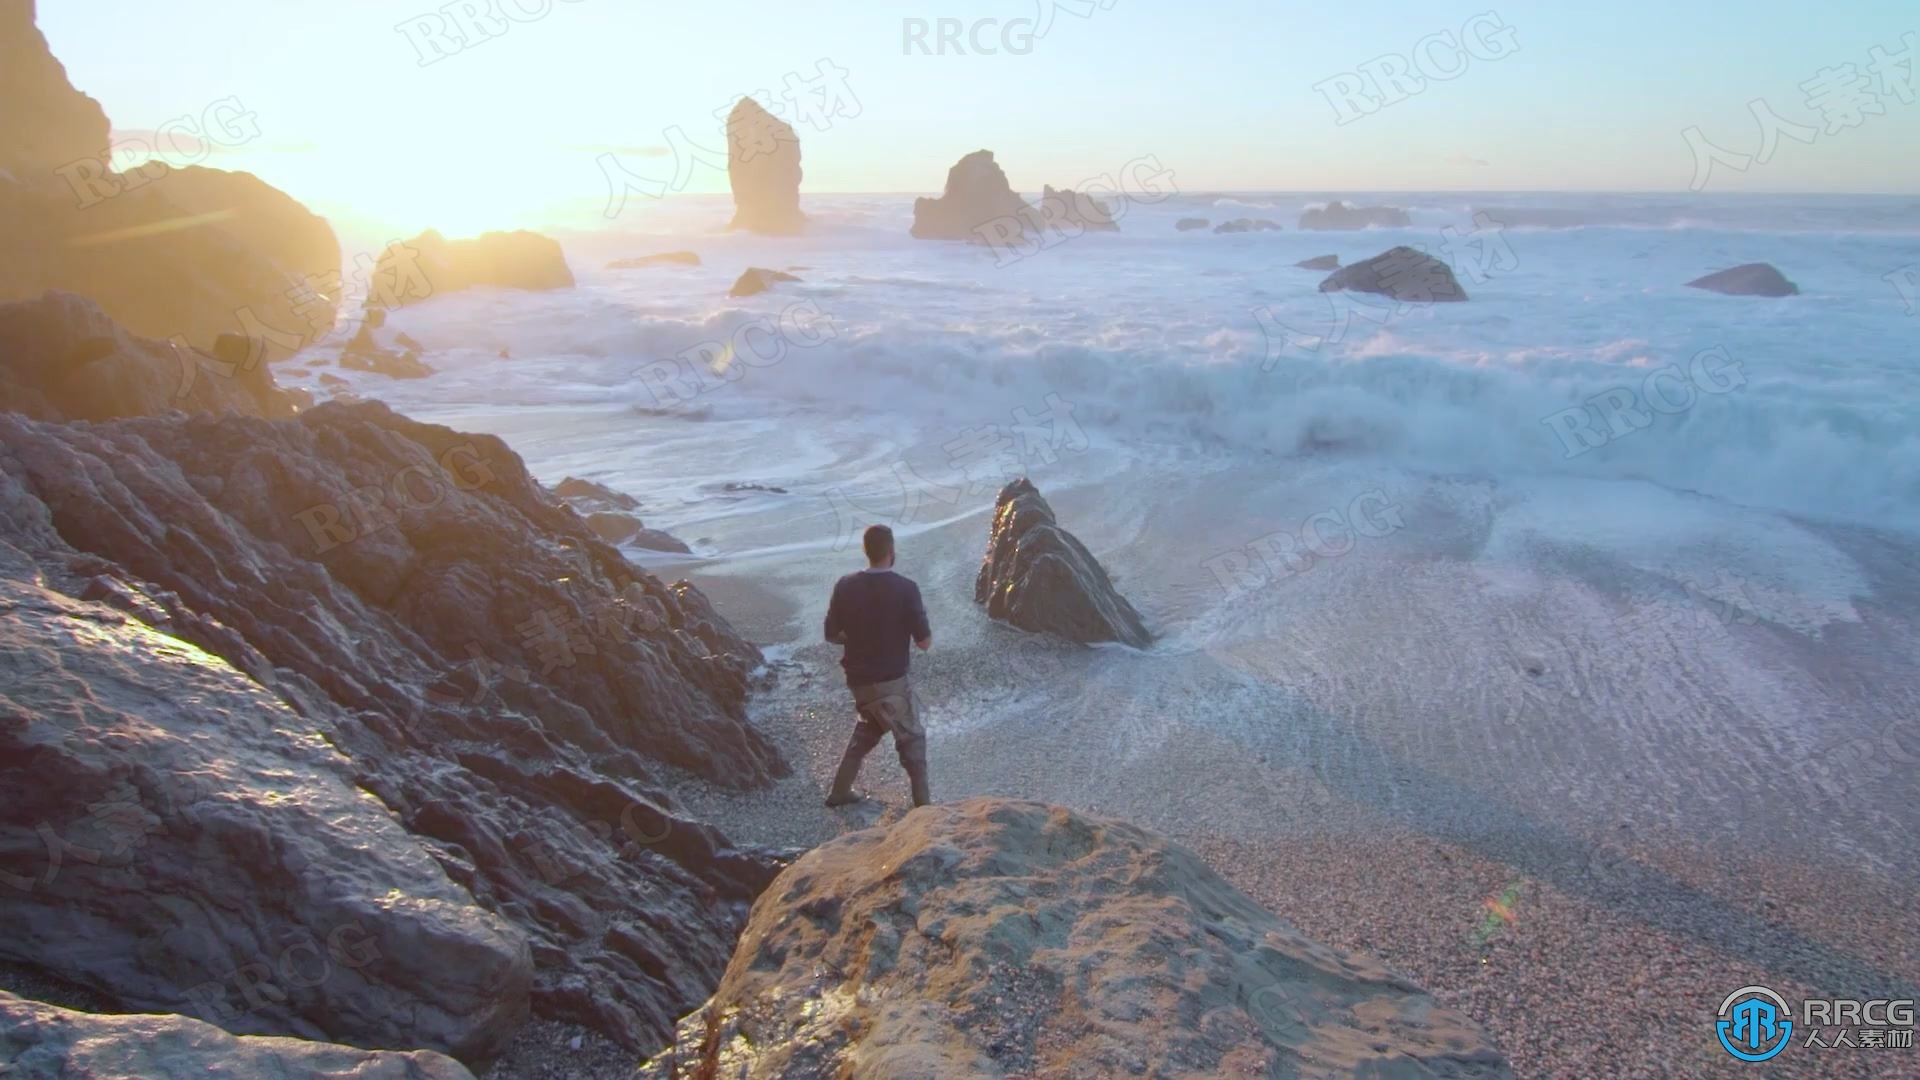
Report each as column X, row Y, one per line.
column 1396, row 543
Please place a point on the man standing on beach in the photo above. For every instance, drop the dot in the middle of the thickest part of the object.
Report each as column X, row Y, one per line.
column 874, row 613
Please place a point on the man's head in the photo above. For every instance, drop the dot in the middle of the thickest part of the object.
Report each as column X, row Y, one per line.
column 878, row 540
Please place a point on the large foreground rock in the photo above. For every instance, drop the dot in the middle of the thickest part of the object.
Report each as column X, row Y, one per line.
column 1040, row 577
column 994, row 938
column 1403, row 273
column 511, row 694
column 170, row 252
column 977, row 197
column 763, row 169
column 40, row 1042
column 1338, row 215
column 430, row 265
column 178, row 838
column 1752, row 279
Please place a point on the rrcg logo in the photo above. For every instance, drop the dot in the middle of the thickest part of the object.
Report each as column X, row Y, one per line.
column 1014, row 41
column 1395, row 77
column 1755, row 1024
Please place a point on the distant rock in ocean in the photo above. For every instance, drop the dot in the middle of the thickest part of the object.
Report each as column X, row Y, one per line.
column 1404, row 273
column 1188, row 224
column 758, row 279
column 363, row 352
column 763, row 169
column 1320, row 262
column 665, row 258
column 1040, row 577
column 996, row 937
column 1337, row 215
column 1241, row 225
column 1751, row 279
column 430, row 265
column 1085, row 211
column 977, row 205
column 612, row 515
column 168, row 252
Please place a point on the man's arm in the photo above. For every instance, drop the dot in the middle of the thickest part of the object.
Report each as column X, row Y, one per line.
column 922, row 633
column 836, row 633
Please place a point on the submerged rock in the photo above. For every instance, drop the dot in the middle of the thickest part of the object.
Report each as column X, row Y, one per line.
column 1404, row 273
column 41, row 1040
column 1752, row 279
column 1188, row 224
column 665, row 258
column 1320, row 262
column 1337, row 215
column 977, row 197
column 995, row 938
column 1038, row 576
column 430, row 265
column 763, row 169
column 1241, row 225
column 758, row 280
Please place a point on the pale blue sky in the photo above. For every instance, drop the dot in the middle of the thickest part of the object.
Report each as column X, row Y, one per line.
column 1223, row 93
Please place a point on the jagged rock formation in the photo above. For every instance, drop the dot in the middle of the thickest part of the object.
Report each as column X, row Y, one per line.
column 763, row 169
column 1339, row 215
column 977, row 197
column 188, row 253
column 1320, row 262
column 363, row 352
column 496, row 678
column 1077, row 209
column 1040, row 577
column 993, row 938
column 1751, row 279
column 758, row 280
column 61, row 357
column 39, row 1040
column 1187, row 224
column 665, row 258
column 1404, row 273
column 1240, row 225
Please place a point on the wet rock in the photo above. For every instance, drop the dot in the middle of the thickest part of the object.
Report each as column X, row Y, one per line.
column 587, row 496
column 41, row 1040
column 993, row 937
column 364, row 353
column 1076, row 210
column 1320, row 262
column 167, row 252
column 1187, row 224
column 763, row 169
column 758, row 280
column 430, row 265
column 1338, row 215
column 656, row 540
column 1752, row 279
column 1039, row 577
column 1242, row 225
column 1404, row 273
column 977, row 205
column 180, row 778
column 665, row 258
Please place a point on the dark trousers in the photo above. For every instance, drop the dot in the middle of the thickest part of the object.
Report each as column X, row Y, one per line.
column 885, row 708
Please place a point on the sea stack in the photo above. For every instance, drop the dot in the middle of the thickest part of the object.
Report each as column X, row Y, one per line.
column 1751, row 279
column 1404, row 273
column 431, row 265
column 977, row 193
column 1040, row 577
column 1076, row 208
column 763, row 168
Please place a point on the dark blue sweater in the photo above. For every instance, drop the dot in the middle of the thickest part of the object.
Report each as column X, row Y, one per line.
column 875, row 613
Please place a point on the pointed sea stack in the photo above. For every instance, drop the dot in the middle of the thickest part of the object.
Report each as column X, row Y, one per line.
column 1752, row 279
column 763, row 168
column 977, row 204
column 1039, row 577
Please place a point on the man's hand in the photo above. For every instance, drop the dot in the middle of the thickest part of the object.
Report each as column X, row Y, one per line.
column 924, row 643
